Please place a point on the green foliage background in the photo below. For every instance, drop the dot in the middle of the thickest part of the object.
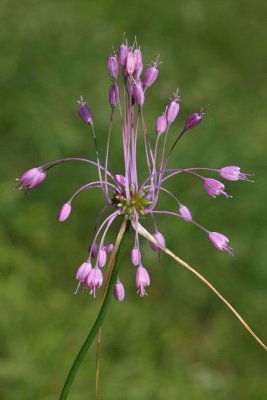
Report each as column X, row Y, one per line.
column 180, row 342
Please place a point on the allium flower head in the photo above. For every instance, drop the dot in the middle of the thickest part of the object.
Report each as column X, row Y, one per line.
column 132, row 193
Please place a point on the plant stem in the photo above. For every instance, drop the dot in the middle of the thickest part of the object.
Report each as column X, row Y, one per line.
column 114, row 262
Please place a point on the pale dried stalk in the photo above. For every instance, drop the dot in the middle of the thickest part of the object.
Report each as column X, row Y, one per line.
column 149, row 237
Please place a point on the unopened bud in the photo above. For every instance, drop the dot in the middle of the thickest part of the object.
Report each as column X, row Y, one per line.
column 138, row 59
column 114, row 95
column 102, row 258
column 172, row 110
column 122, row 54
column 135, row 256
column 84, row 112
column 138, row 94
column 120, row 179
column 64, row 212
column 113, row 66
column 161, row 124
column 130, row 64
column 160, row 239
column 151, row 75
column 119, row 291
column 193, row 120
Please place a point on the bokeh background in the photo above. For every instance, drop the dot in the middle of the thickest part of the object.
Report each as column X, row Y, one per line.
column 180, row 341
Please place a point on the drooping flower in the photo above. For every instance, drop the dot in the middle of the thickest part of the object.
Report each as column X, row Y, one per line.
column 83, row 272
column 142, row 280
column 30, row 179
column 159, row 238
column 220, row 241
column 233, row 173
column 64, row 212
column 214, row 188
column 94, row 280
column 119, row 291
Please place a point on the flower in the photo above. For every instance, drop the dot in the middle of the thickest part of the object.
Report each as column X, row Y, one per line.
column 30, row 179
column 193, row 120
column 84, row 112
column 142, row 280
column 95, row 280
column 125, row 195
column 185, row 213
column 159, row 238
column 233, row 174
column 83, row 272
column 64, row 212
column 119, row 291
column 214, row 188
column 220, row 241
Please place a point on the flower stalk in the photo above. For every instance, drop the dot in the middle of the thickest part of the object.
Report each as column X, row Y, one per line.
column 114, row 264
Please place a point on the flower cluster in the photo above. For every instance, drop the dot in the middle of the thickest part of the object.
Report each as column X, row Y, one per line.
column 125, row 195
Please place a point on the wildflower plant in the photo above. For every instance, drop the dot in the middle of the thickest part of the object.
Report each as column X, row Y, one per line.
column 127, row 195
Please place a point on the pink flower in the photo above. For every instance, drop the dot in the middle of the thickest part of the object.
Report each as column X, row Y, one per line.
column 130, row 64
column 64, row 212
column 151, row 75
column 95, row 280
column 233, row 173
column 102, row 258
column 135, row 256
column 30, row 179
column 83, row 272
column 113, row 66
column 138, row 94
column 161, row 124
column 193, row 120
column 214, row 188
column 159, row 238
column 142, row 280
column 173, row 109
column 185, row 213
column 119, row 291
column 220, row 241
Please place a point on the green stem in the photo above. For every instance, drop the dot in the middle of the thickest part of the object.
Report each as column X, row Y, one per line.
column 115, row 256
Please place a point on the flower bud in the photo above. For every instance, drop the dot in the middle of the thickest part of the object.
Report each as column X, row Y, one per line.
column 122, row 54
column 95, row 280
column 113, row 66
column 138, row 94
column 119, row 291
column 93, row 249
column 193, row 120
column 138, row 59
column 114, row 95
column 173, row 110
column 220, row 241
column 159, row 238
column 64, row 212
column 151, row 75
column 83, row 272
column 185, row 213
column 130, row 64
column 161, row 124
column 120, row 180
column 214, row 188
column 84, row 112
column 109, row 247
column 135, row 256
column 102, row 258
column 31, row 178
column 142, row 280
column 138, row 73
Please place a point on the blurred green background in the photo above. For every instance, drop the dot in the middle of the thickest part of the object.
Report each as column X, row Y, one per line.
column 180, row 342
